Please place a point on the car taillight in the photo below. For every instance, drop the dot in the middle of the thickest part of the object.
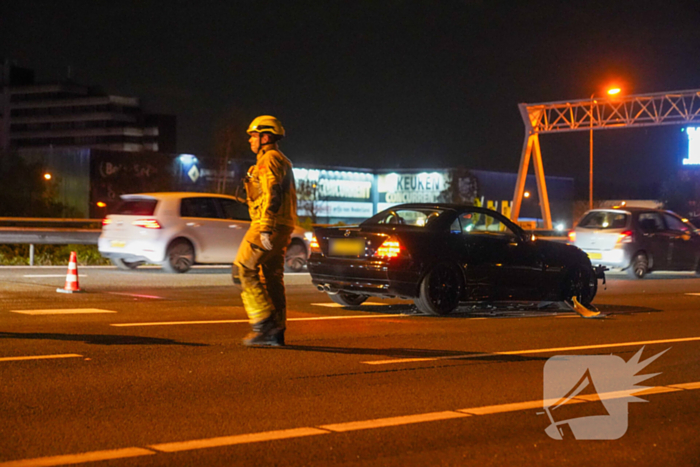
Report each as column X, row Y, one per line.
column 625, row 237
column 391, row 248
column 146, row 223
column 106, row 221
column 572, row 236
column 314, row 246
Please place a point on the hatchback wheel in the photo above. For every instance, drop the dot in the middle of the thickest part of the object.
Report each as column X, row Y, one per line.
column 179, row 257
column 439, row 291
column 581, row 283
column 348, row 299
column 639, row 267
column 126, row 265
column 295, row 259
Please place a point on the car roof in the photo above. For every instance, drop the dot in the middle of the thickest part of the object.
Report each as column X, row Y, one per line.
column 176, row 195
column 628, row 210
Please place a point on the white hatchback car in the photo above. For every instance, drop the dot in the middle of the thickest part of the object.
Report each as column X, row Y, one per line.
column 179, row 229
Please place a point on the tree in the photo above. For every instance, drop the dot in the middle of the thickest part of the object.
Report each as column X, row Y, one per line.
column 231, row 145
column 24, row 192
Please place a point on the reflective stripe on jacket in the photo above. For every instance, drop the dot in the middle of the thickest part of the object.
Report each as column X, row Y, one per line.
column 272, row 196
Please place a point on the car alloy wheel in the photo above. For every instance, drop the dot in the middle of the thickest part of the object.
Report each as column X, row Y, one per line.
column 639, row 266
column 581, row 283
column 179, row 258
column 295, row 258
column 348, row 299
column 439, row 291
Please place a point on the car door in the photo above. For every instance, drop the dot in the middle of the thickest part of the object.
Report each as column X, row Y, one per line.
column 684, row 244
column 236, row 222
column 655, row 238
column 510, row 266
column 204, row 223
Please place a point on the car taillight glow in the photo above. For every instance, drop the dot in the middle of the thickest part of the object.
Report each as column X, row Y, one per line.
column 391, row 248
column 106, row 221
column 625, row 237
column 314, row 246
column 572, row 236
column 146, row 223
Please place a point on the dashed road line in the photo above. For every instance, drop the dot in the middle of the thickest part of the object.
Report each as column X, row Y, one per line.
column 329, row 429
column 136, row 295
column 39, row 357
column 531, row 351
column 63, row 311
column 235, row 321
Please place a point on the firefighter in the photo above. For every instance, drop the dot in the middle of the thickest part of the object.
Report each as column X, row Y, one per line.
column 272, row 202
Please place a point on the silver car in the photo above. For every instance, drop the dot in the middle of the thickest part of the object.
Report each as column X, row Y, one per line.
column 638, row 240
column 177, row 230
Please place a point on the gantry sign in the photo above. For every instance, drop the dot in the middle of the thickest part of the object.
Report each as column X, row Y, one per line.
column 663, row 108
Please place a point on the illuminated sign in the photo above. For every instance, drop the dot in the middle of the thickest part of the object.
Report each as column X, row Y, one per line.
column 424, row 187
column 693, row 146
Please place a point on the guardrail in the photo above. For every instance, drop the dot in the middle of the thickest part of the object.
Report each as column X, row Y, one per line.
column 48, row 231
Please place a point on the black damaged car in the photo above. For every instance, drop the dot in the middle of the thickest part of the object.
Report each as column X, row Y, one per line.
column 442, row 254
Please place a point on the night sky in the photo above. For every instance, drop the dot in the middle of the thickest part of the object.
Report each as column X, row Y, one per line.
column 413, row 84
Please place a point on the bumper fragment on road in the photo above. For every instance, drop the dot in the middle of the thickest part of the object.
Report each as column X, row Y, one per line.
column 82, row 458
column 293, row 433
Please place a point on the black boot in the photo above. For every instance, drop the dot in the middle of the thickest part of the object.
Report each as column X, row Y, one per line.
column 265, row 333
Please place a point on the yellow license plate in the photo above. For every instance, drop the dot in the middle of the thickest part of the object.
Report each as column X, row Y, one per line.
column 347, row 246
column 118, row 243
column 595, row 256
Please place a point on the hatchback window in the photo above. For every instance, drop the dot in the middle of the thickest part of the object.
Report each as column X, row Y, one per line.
column 604, row 220
column 650, row 222
column 198, row 207
column 235, row 210
column 136, row 207
column 676, row 224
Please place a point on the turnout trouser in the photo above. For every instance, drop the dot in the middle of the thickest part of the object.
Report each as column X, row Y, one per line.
column 263, row 294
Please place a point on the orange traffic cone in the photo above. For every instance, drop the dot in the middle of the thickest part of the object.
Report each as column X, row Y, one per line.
column 71, row 277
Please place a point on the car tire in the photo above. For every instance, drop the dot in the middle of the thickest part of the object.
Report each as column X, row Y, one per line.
column 439, row 291
column 295, row 258
column 582, row 283
column 126, row 265
column 179, row 257
column 348, row 299
column 639, row 267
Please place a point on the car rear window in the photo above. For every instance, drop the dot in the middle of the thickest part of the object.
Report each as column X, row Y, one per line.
column 416, row 217
column 136, row 207
column 604, row 220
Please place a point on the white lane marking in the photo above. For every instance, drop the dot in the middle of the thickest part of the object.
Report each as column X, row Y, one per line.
column 39, row 357
column 518, row 352
column 320, row 430
column 63, row 311
column 393, row 421
column 234, row 321
column 237, row 439
column 337, row 305
column 51, row 275
column 136, row 295
column 68, row 459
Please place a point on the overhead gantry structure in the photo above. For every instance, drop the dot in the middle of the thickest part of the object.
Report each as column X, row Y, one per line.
column 663, row 108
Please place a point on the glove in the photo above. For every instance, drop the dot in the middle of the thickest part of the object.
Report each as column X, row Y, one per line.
column 265, row 240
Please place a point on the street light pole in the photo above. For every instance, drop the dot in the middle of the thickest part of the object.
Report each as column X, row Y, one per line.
column 590, row 173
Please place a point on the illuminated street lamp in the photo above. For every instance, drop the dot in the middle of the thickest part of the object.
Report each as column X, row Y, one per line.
column 47, row 176
column 611, row 92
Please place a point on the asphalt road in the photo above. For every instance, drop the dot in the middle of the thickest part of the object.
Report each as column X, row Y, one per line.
column 144, row 368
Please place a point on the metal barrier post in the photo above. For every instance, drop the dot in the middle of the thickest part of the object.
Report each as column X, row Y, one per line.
column 31, row 254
